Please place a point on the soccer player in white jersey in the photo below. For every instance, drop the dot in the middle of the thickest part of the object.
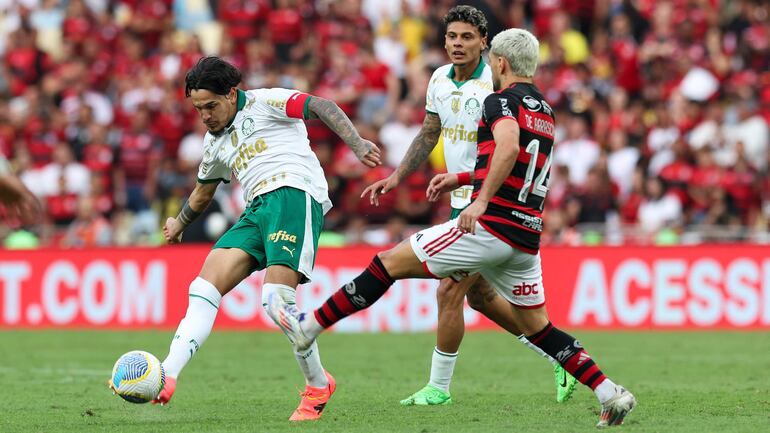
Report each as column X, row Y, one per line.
column 497, row 235
column 260, row 137
column 453, row 106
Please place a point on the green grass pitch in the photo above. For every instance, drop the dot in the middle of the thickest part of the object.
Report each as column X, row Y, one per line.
column 55, row 381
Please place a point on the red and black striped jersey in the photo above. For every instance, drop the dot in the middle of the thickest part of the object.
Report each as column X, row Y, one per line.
column 514, row 214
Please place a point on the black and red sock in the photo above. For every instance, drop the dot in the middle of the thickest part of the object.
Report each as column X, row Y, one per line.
column 568, row 352
column 357, row 295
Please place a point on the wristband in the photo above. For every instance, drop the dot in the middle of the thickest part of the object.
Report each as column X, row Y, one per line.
column 464, row 178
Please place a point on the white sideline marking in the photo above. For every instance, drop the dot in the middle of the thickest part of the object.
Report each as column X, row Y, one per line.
column 58, row 371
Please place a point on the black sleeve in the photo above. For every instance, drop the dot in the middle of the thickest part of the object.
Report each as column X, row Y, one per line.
column 499, row 106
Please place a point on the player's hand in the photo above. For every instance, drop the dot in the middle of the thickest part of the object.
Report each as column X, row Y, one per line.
column 172, row 231
column 466, row 222
column 441, row 183
column 368, row 153
column 380, row 187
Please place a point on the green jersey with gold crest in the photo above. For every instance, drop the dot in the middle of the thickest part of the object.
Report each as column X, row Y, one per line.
column 458, row 105
column 266, row 147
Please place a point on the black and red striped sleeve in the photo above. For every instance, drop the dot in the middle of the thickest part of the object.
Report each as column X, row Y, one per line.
column 497, row 107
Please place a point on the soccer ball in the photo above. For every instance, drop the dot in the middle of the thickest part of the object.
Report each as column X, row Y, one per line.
column 137, row 377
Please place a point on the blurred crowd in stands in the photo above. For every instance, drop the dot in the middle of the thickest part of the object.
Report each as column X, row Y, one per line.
column 662, row 111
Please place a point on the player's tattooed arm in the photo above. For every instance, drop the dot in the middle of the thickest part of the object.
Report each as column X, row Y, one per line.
column 192, row 209
column 421, row 146
column 187, row 215
column 336, row 119
column 198, row 202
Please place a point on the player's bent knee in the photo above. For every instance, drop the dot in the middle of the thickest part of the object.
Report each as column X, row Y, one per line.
column 449, row 291
column 389, row 259
column 401, row 262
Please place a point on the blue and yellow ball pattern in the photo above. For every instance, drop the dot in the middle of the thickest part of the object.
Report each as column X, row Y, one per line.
column 138, row 377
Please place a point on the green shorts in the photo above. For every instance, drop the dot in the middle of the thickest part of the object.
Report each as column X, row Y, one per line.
column 455, row 213
column 280, row 227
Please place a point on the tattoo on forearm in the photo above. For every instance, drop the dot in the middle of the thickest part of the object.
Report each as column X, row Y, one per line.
column 187, row 215
column 338, row 121
column 421, row 147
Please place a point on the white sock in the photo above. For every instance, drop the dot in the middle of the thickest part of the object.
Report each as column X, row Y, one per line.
column 442, row 368
column 194, row 329
column 605, row 390
column 536, row 349
column 310, row 326
column 310, row 363
column 309, row 360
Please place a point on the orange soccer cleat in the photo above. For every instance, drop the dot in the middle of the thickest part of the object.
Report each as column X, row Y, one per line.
column 314, row 401
column 167, row 392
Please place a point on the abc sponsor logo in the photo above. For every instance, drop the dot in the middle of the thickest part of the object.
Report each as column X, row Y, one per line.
column 525, row 289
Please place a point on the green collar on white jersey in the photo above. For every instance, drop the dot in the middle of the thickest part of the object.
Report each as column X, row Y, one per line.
column 476, row 73
column 240, row 103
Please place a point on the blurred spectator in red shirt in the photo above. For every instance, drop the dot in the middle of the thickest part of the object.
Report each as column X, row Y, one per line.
column 629, row 209
column 284, row 24
column 626, row 54
column 98, row 155
column 342, row 82
column 381, row 89
column 677, row 175
column 138, row 159
column 242, row 18
column 741, row 181
column 168, row 124
column 26, row 63
column 149, row 18
column 78, row 23
column 410, row 200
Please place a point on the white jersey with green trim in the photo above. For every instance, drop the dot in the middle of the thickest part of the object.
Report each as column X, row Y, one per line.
column 266, row 147
column 458, row 105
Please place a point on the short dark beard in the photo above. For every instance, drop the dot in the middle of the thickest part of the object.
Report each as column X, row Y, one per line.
column 496, row 84
column 217, row 133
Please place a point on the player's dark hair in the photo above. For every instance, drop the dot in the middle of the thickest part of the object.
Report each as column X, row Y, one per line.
column 212, row 73
column 467, row 14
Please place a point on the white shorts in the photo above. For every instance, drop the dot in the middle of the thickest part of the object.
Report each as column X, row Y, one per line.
column 445, row 251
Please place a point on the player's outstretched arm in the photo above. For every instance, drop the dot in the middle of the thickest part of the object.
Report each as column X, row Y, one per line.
column 506, row 136
column 336, row 119
column 421, row 146
column 418, row 152
column 197, row 202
